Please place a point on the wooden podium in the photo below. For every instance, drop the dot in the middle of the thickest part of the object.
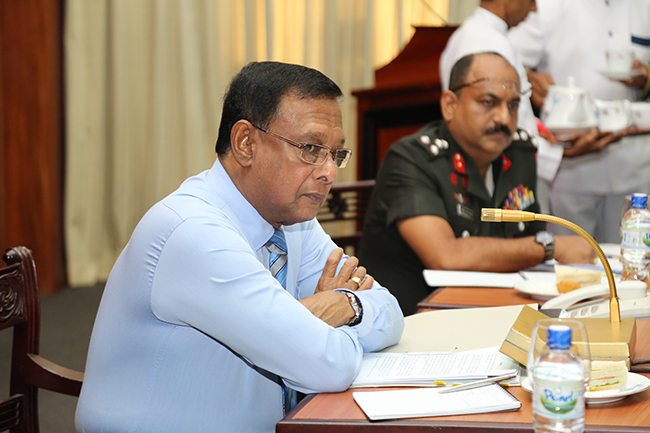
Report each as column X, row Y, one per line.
column 405, row 97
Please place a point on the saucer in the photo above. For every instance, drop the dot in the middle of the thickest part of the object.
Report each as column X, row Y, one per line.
column 540, row 290
column 567, row 131
column 615, row 75
column 614, row 126
column 635, row 383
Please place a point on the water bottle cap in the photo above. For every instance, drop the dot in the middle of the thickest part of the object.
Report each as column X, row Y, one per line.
column 639, row 201
column 558, row 337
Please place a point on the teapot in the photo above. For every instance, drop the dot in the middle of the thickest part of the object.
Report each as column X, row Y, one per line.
column 568, row 110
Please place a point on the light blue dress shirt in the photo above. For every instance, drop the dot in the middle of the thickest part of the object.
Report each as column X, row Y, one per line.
column 193, row 333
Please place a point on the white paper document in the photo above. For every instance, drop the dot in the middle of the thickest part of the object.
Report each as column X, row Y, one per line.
column 483, row 279
column 424, row 402
column 433, row 368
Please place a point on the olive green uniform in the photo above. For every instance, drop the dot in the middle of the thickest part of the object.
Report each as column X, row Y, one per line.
column 428, row 173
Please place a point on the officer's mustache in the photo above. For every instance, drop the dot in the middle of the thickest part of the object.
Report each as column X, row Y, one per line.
column 499, row 128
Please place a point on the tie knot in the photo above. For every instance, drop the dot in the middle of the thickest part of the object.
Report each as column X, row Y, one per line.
column 278, row 241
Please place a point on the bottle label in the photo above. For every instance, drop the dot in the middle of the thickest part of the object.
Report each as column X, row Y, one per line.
column 635, row 239
column 564, row 400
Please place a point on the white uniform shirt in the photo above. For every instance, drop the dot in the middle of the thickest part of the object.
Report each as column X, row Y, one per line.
column 570, row 38
column 484, row 31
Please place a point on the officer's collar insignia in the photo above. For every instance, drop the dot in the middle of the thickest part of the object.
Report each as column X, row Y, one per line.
column 453, row 178
column 459, row 163
column 506, row 163
column 459, row 198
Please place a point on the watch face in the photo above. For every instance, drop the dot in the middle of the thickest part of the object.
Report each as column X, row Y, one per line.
column 544, row 238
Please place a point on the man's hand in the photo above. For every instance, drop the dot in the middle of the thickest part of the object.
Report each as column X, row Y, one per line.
column 573, row 249
column 350, row 269
column 638, row 80
column 592, row 141
column 331, row 307
column 540, row 81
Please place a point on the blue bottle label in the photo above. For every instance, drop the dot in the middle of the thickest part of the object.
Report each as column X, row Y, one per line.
column 559, row 400
column 635, row 239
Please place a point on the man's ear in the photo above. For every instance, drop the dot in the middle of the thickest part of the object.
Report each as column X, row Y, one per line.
column 242, row 142
column 448, row 104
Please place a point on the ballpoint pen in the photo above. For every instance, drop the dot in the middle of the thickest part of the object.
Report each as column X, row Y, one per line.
column 477, row 384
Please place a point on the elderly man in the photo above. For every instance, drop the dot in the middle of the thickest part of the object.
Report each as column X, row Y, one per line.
column 426, row 206
column 229, row 294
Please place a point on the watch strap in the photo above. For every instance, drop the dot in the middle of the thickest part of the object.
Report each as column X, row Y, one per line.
column 548, row 244
column 355, row 303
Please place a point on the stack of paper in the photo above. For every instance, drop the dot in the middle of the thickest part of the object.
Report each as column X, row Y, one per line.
column 412, row 403
column 433, row 369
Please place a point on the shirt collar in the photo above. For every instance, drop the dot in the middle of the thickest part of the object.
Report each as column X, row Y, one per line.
column 490, row 19
column 258, row 230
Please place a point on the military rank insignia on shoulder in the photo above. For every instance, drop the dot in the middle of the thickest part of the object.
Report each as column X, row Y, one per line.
column 435, row 146
column 522, row 137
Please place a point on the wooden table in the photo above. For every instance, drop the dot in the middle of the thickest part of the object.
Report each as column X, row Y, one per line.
column 337, row 412
column 472, row 297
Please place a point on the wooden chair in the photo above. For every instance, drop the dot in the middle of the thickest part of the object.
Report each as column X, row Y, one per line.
column 346, row 202
column 20, row 310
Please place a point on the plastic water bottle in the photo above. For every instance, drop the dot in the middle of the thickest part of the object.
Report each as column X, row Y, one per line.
column 558, row 385
column 635, row 242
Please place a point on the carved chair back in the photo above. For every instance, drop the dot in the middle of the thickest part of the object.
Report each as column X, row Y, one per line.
column 20, row 310
column 346, row 202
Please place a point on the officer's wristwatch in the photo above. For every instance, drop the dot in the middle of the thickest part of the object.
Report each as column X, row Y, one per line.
column 547, row 240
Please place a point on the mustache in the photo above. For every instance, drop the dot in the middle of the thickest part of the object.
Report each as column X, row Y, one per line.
column 499, row 128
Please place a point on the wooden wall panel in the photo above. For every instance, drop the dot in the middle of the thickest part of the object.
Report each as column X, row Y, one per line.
column 31, row 134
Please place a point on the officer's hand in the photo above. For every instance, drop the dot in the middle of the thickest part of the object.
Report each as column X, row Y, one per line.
column 573, row 249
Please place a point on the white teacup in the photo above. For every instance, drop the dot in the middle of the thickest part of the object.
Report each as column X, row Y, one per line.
column 620, row 61
column 640, row 112
column 613, row 115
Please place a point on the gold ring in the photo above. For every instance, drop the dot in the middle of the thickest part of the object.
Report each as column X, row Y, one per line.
column 356, row 280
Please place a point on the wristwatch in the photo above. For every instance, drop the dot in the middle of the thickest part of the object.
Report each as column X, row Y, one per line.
column 356, row 306
column 547, row 240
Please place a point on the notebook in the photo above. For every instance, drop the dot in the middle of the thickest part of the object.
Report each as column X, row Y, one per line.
column 427, row 402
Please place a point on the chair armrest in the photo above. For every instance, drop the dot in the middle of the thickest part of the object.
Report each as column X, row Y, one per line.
column 53, row 377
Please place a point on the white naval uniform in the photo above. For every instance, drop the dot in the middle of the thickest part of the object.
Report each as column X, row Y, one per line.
column 570, row 38
column 484, row 31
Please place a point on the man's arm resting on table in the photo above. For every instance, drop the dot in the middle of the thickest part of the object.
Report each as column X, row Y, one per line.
column 332, row 307
column 434, row 242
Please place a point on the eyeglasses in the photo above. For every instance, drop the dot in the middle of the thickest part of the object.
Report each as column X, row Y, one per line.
column 505, row 83
column 316, row 154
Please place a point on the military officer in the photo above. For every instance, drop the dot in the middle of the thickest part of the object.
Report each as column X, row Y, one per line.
column 426, row 206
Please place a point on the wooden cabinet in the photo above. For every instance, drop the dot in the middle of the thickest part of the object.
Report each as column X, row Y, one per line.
column 31, row 134
column 405, row 97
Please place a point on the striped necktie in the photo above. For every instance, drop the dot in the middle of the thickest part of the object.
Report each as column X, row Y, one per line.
column 277, row 247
